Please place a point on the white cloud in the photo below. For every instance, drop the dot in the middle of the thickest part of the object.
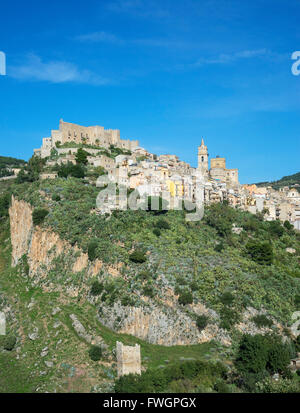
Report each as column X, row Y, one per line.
column 35, row 69
column 229, row 58
column 98, row 37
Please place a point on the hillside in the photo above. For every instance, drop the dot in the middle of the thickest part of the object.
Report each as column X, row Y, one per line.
column 289, row 180
column 186, row 291
column 6, row 163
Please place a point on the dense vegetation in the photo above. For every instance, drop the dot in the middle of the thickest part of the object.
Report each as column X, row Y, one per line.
column 289, row 180
column 7, row 163
column 203, row 262
column 252, row 268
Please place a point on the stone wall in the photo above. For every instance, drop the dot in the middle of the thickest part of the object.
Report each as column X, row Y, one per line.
column 128, row 359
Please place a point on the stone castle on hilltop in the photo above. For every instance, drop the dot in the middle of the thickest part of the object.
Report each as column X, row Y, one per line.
column 165, row 175
column 90, row 135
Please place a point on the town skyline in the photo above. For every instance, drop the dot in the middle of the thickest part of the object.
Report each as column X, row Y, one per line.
column 165, row 74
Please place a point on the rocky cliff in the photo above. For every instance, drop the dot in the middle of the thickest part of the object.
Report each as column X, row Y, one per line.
column 156, row 321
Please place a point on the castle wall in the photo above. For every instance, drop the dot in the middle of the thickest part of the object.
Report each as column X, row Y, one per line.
column 92, row 135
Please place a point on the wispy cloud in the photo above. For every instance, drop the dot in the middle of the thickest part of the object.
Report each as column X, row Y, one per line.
column 104, row 37
column 34, row 69
column 229, row 58
column 98, row 37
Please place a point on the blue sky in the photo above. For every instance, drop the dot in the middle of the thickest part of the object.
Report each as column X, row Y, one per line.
column 166, row 72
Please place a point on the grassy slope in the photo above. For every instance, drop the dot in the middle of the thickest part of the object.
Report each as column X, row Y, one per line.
column 183, row 254
column 23, row 375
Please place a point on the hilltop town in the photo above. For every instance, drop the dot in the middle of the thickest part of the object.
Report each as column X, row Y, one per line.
column 128, row 164
column 91, row 292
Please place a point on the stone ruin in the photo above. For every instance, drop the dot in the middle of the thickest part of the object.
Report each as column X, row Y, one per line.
column 128, row 359
column 2, row 324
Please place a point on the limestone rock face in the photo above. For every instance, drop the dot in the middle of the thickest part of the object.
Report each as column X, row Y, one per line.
column 42, row 246
column 158, row 325
column 21, row 227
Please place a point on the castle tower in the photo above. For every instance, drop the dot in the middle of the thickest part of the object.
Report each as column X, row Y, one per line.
column 203, row 158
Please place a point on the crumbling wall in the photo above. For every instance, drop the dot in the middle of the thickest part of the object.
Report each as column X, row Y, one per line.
column 128, row 359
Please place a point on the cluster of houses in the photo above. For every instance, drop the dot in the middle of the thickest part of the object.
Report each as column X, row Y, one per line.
column 166, row 175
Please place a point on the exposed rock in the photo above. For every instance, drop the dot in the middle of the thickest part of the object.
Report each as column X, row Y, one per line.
column 81, row 331
column 291, row 250
column 21, row 226
column 157, row 325
column 34, row 335
column 56, row 310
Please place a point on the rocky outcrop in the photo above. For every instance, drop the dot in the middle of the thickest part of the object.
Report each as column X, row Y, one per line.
column 159, row 325
column 42, row 246
column 158, row 321
column 20, row 214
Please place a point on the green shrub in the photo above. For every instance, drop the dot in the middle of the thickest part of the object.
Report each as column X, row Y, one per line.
column 219, row 247
column 38, row 215
column 9, row 343
column 186, row 297
column 221, row 387
column 260, row 252
column 229, row 317
column 127, row 300
column 144, row 275
column 81, row 157
column 4, row 204
column 288, row 225
column 95, row 353
column 297, row 301
column 227, row 298
column 138, row 257
column 259, row 353
column 148, row 291
column 56, row 197
column 202, row 321
column 275, row 228
column 97, row 288
column 156, row 232
column 92, row 247
column 262, row 320
column 162, row 224
column 158, row 380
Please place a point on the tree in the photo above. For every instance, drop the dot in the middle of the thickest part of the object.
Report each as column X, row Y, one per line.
column 260, row 252
column 162, row 224
column 92, row 247
column 95, row 353
column 81, row 157
column 138, row 257
column 4, row 204
column 227, row 298
column 9, row 343
column 185, row 297
column 97, row 288
column 259, row 353
column 31, row 172
column 38, row 215
column 202, row 321
column 252, row 354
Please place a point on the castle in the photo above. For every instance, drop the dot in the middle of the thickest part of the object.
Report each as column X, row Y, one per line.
column 218, row 170
column 90, row 135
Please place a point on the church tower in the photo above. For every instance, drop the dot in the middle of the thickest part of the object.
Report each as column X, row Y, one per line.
column 203, row 158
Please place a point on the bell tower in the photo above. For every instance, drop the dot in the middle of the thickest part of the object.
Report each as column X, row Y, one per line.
column 203, row 158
